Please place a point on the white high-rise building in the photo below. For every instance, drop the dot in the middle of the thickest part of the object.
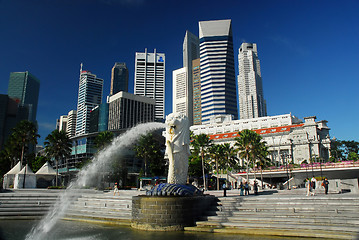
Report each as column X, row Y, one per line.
column 180, row 98
column 150, row 79
column 250, row 87
column 90, row 96
column 71, row 123
column 218, row 82
column 190, row 53
column 61, row 123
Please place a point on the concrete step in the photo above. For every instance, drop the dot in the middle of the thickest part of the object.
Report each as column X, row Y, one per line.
column 352, row 215
column 268, row 208
column 292, row 219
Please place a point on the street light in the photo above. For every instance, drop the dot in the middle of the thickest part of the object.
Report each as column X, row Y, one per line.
column 284, row 157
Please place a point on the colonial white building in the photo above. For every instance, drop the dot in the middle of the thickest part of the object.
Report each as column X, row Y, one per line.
column 288, row 138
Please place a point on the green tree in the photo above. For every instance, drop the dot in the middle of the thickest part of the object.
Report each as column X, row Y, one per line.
column 25, row 133
column 216, row 152
column 263, row 160
column 38, row 162
column 194, row 165
column 149, row 150
column 201, row 143
column 352, row 156
column 103, row 139
column 248, row 143
column 230, row 157
column 58, row 146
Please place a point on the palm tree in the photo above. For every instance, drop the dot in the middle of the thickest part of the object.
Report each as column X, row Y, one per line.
column 247, row 144
column 25, row 133
column 103, row 139
column 263, row 159
column 58, row 146
column 216, row 151
column 200, row 144
column 148, row 149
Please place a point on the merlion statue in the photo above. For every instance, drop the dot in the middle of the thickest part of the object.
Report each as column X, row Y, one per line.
column 177, row 147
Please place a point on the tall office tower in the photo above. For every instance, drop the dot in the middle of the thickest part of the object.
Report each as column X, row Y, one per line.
column 218, row 83
column 196, row 75
column 71, row 123
column 119, row 78
column 180, row 98
column 61, row 123
column 150, row 79
column 190, row 52
column 25, row 87
column 250, row 88
column 90, row 96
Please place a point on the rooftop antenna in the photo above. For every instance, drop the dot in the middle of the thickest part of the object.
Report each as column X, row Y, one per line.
column 81, row 68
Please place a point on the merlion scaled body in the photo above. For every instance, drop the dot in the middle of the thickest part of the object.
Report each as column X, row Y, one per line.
column 177, row 147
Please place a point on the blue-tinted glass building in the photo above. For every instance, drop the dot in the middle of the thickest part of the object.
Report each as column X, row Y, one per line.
column 24, row 88
column 119, row 78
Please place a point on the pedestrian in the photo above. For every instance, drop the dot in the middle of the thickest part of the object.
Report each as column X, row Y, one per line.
column 241, row 189
column 115, row 190
column 325, row 184
column 313, row 184
column 224, row 186
column 309, row 186
column 246, row 188
column 255, row 188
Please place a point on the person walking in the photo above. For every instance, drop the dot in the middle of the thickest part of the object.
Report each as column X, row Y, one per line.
column 246, row 188
column 325, row 184
column 115, row 190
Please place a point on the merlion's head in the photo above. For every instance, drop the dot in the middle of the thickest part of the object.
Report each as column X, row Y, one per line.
column 175, row 123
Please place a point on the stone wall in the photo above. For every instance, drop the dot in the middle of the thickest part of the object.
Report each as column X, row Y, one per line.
column 168, row 213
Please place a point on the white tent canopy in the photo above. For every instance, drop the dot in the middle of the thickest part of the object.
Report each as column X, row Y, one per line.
column 46, row 169
column 30, row 178
column 10, row 176
column 45, row 176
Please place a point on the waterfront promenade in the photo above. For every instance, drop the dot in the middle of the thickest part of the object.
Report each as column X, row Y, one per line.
column 287, row 213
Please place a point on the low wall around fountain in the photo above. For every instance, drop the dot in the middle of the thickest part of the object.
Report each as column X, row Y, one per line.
column 168, row 213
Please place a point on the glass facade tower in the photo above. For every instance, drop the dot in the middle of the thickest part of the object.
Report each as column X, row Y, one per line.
column 119, row 78
column 90, row 96
column 24, row 88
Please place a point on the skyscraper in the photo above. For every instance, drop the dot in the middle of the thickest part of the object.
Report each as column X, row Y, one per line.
column 25, row 87
column 90, row 96
column 196, row 76
column 218, row 86
column 119, row 78
column 250, row 88
column 180, row 98
column 190, row 52
column 150, row 79
column 71, row 123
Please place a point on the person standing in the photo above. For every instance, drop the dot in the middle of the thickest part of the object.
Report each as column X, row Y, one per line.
column 255, row 188
column 313, row 184
column 241, row 189
column 326, row 185
column 246, row 188
column 115, row 190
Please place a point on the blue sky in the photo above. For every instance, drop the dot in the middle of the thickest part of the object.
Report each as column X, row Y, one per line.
column 309, row 50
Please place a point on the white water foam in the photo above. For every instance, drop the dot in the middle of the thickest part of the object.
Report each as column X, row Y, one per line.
column 123, row 141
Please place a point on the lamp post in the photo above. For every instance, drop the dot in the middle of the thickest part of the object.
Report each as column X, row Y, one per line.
column 284, row 157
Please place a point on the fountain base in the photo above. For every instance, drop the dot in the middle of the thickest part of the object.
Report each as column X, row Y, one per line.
column 168, row 213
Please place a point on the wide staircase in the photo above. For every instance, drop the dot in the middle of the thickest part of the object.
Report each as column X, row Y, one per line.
column 333, row 216
column 26, row 204
column 105, row 208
